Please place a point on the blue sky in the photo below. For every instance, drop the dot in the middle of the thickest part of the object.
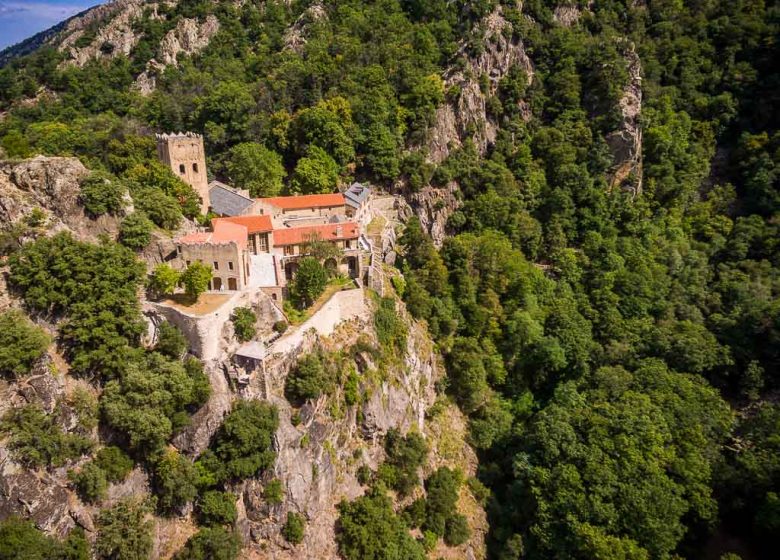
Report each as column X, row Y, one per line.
column 20, row 19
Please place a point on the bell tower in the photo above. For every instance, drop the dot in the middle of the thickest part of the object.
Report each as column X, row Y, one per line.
column 185, row 155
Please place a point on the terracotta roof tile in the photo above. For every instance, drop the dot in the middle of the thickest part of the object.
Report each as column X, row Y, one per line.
column 304, row 201
column 253, row 224
column 329, row 232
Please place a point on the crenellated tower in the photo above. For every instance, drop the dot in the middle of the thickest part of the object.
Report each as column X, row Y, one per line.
column 185, row 155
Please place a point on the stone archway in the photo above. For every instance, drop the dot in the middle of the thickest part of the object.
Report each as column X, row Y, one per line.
column 217, row 283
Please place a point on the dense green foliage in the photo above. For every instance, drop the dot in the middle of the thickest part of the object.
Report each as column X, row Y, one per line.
column 36, row 440
column 195, row 279
column 312, row 376
column 217, row 508
column 22, row 344
column 368, row 529
column 135, row 232
column 309, row 282
column 170, row 341
column 124, row 532
column 211, row 543
column 174, row 481
column 94, row 286
column 293, row 528
column 100, row 195
column 20, row 540
column 405, row 456
column 163, row 280
column 242, row 446
column 244, row 320
column 257, row 169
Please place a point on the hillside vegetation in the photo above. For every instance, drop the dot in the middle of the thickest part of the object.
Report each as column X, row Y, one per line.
column 609, row 320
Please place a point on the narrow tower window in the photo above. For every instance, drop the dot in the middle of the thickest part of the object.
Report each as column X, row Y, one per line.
column 195, row 167
column 181, row 168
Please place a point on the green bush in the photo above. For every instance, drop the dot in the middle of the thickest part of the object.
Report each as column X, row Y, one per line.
column 170, row 341
column 195, row 279
column 405, row 456
column 242, row 445
column 101, row 194
column 90, row 482
column 294, row 528
column 20, row 540
column 174, row 479
column 390, row 328
column 280, row 326
column 21, row 344
column 217, row 508
column 364, row 475
column 35, row 439
column 257, row 169
column 123, row 532
column 456, row 530
column 273, row 493
column 441, row 502
column 163, row 280
column 160, row 208
column 211, row 543
column 244, row 320
column 114, row 462
column 309, row 282
column 310, row 379
column 135, row 232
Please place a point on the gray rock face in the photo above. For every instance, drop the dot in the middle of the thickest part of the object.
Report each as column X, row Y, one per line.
column 433, row 207
column 50, row 184
column 295, row 36
column 455, row 119
column 626, row 141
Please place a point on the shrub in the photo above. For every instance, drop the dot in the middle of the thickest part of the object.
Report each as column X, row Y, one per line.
column 136, row 231
column 390, row 329
column 456, row 530
column 309, row 282
column 414, row 513
column 244, row 320
column 160, row 208
column 195, row 279
column 170, row 341
column 294, row 527
column 256, row 168
column 280, row 326
column 90, row 482
column 21, row 344
column 273, row 492
column 85, row 405
column 114, row 462
column 405, row 455
column 163, row 280
column 242, row 446
column 310, row 379
column 36, row 440
column 20, row 540
column 124, row 532
column 441, row 502
column 217, row 508
column 364, row 474
column 174, row 481
column 101, row 194
column 211, row 543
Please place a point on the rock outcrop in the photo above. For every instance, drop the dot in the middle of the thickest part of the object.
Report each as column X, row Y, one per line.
column 467, row 116
column 187, row 38
column 433, row 207
column 625, row 142
column 295, row 36
column 51, row 185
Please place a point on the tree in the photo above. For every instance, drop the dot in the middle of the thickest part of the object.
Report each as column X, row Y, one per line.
column 211, row 543
column 244, row 320
column 114, row 462
column 124, row 533
column 20, row 540
column 164, row 280
column 310, row 379
column 170, row 341
column 315, row 173
column 22, row 344
column 101, row 194
column 309, row 282
column 441, row 503
column 217, row 508
column 135, row 232
column 196, row 279
column 405, row 456
column 370, row 530
column 90, row 482
column 294, row 528
column 257, row 169
column 162, row 209
column 174, row 481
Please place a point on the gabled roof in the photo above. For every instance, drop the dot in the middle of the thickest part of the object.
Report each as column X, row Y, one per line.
column 328, row 232
column 224, row 233
column 225, row 201
column 356, row 195
column 253, row 224
column 304, row 201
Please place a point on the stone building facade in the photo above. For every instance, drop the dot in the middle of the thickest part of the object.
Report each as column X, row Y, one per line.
column 185, row 155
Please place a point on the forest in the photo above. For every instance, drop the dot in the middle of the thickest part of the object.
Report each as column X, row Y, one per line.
column 616, row 352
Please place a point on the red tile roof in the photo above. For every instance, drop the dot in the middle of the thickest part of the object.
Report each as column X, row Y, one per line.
column 253, row 224
column 304, row 201
column 329, row 232
column 224, row 233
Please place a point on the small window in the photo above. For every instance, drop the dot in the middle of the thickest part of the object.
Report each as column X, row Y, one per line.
column 181, row 168
column 188, row 263
column 195, row 167
column 216, row 265
column 289, row 249
column 230, row 265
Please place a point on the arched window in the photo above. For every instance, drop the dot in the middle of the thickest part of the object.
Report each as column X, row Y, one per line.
column 195, row 167
column 181, row 168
